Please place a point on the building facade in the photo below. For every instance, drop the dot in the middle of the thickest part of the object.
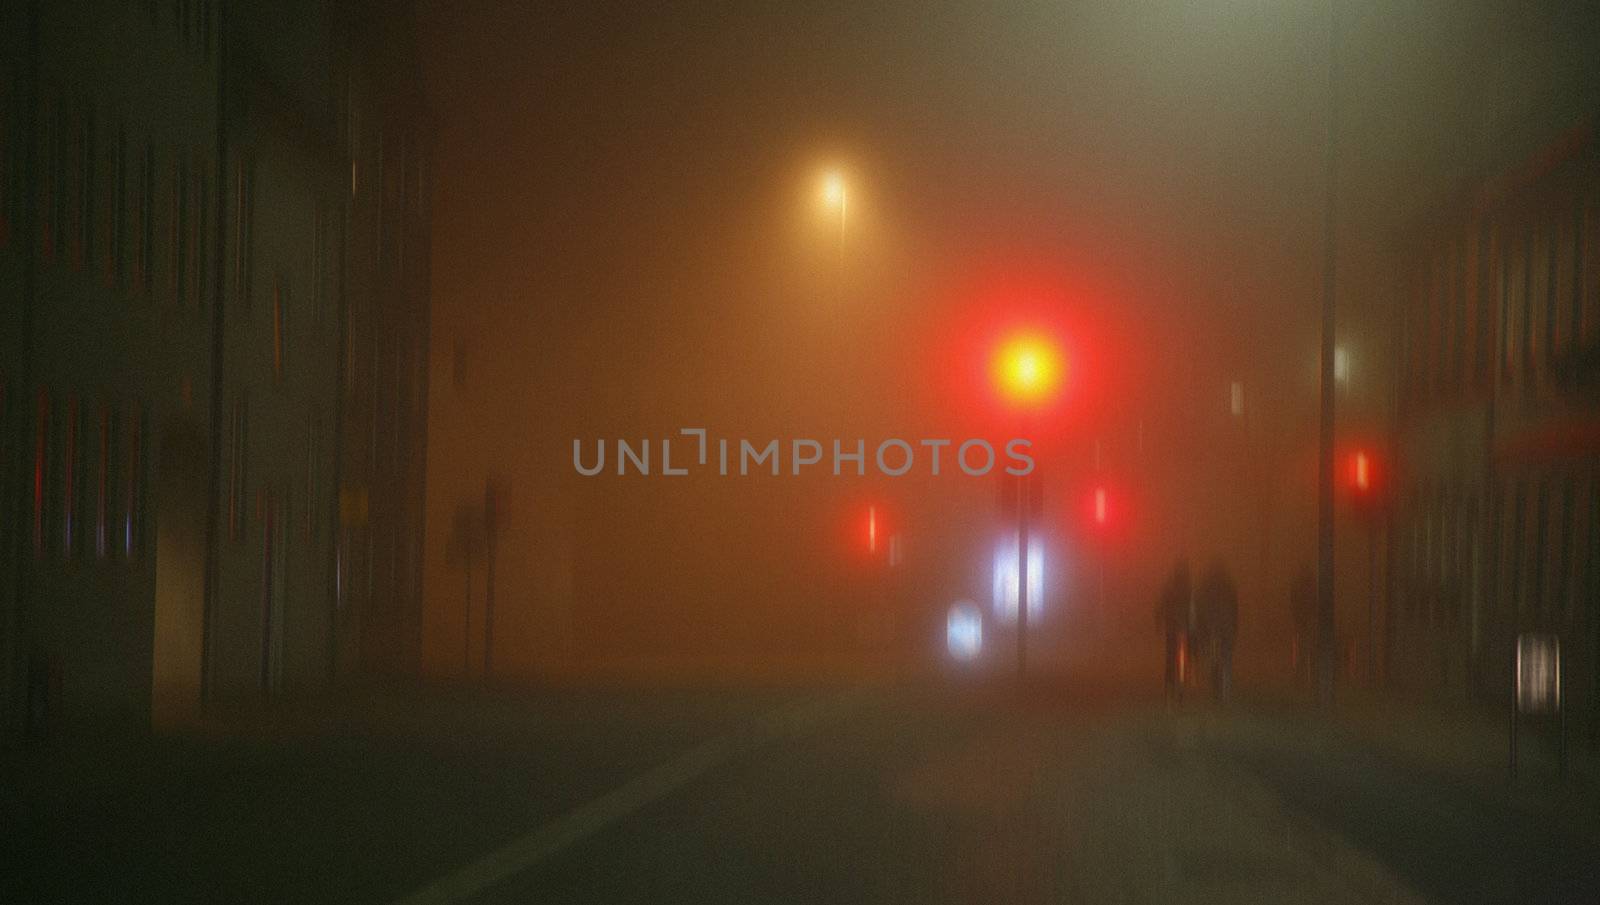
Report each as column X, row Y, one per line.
column 1496, row 527
column 213, row 297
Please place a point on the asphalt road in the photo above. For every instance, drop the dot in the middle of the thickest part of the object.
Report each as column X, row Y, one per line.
column 923, row 794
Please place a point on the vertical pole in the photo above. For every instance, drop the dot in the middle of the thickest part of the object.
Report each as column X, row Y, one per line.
column 1325, row 547
column 1101, row 603
column 1024, row 501
column 488, row 579
column 1516, row 665
column 466, row 620
column 1372, row 604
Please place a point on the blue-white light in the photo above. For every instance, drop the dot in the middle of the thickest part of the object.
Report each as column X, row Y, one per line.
column 1006, row 571
column 964, row 631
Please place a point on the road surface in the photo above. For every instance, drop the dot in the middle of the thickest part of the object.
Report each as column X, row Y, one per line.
column 927, row 794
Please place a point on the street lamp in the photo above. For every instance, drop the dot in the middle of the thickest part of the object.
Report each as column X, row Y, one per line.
column 835, row 195
column 1028, row 370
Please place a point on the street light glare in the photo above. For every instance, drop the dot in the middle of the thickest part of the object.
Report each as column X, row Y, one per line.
column 833, row 189
column 1029, row 368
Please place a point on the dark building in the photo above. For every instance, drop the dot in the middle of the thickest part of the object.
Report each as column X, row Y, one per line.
column 213, row 324
column 1497, row 520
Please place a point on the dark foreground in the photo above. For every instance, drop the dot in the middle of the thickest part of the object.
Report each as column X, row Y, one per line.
column 876, row 794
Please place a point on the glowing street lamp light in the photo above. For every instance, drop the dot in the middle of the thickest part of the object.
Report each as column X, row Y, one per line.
column 1029, row 369
column 833, row 190
column 836, row 195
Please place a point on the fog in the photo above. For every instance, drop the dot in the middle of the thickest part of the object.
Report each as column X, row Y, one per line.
column 630, row 238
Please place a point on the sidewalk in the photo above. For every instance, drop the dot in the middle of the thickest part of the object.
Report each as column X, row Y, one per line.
column 355, row 796
column 1425, row 787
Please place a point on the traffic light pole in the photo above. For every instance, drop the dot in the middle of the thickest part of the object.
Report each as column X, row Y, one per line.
column 1024, row 502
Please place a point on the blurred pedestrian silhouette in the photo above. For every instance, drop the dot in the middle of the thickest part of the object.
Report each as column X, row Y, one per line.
column 1217, row 603
column 1176, row 612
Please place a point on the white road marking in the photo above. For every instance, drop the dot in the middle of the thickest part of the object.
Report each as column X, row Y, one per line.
column 586, row 820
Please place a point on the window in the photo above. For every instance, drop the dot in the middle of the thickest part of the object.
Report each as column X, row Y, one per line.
column 236, row 469
column 133, row 482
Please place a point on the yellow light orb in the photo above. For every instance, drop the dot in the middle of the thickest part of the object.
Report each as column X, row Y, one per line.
column 1029, row 368
column 833, row 189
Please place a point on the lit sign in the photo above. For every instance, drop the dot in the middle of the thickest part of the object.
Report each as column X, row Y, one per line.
column 1538, row 673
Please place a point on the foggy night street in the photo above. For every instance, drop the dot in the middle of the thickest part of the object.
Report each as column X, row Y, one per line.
column 475, row 452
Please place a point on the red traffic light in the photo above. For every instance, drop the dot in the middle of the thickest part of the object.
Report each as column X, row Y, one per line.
column 1362, row 473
